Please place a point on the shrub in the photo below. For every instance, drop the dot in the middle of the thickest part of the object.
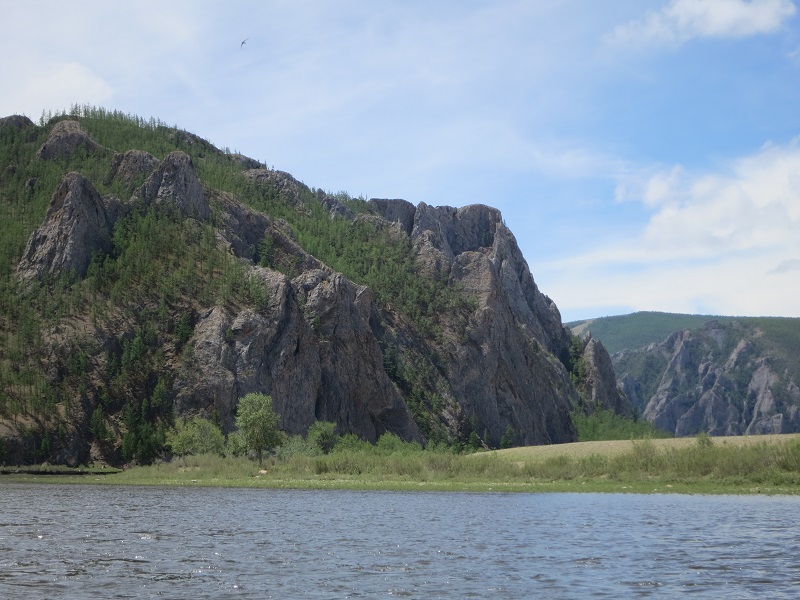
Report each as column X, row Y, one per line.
column 198, row 436
column 322, row 436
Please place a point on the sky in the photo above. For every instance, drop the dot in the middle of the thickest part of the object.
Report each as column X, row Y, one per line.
column 645, row 153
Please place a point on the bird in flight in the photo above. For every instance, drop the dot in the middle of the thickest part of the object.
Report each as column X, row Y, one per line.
column 243, row 42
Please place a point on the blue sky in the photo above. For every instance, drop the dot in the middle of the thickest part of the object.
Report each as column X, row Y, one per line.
column 645, row 153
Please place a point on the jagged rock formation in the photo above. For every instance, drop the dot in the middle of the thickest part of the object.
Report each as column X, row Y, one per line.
column 66, row 138
column 175, row 182
column 132, row 165
column 721, row 379
column 600, row 386
column 504, row 372
column 319, row 343
column 76, row 226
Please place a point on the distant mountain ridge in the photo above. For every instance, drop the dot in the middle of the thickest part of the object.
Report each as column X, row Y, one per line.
column 635, row 330
column 689, row 374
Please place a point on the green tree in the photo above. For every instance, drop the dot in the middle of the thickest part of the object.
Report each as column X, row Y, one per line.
column 197, row 436
column 257, row 423
column 97, row 424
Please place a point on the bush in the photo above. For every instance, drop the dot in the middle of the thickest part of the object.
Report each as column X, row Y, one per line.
column 198, row 436
column 322, row 436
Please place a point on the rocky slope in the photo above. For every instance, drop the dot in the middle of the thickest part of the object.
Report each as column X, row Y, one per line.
column 493, row 361
column 730, row 378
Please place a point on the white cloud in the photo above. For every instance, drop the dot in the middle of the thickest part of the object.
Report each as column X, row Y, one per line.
column 725, row 242
column 682, row 20
column 54, row 86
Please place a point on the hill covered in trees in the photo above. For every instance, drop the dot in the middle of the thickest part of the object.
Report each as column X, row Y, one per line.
column 146, row 275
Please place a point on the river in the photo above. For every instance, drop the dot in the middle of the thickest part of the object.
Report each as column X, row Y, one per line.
column 84, row 541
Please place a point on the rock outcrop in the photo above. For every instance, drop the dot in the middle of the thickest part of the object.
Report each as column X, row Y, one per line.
column 721, row 379
column 66, row 138
column 284, row 184
column 504, row 371
column 76, row 226
column 132, row 165
column 16, row 121
column 600, row 385
column 311, row 347
column 175, row 183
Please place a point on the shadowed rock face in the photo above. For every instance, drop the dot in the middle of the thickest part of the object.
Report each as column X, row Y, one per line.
column 76, row 226
column 16, row 121
column 717, row 379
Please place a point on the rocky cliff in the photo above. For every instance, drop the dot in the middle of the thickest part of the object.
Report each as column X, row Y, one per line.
column 481, row 355
column 727, row 378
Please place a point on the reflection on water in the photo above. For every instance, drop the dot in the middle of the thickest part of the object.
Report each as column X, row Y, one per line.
column 124, row 542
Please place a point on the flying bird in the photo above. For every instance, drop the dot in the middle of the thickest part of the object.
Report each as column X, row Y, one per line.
column 243, row 42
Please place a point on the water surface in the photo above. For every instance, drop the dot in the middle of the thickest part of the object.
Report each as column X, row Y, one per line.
column 137, row 542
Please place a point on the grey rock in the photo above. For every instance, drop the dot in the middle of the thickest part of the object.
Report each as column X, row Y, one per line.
column 718, row 379
column 283, row 183
column 395, row 211
column 504, row 371
column 66, row 138
column 175, row 183
column 16, row 122
column 133, row 165
column 246, row 162
column 311, row 348
column 76, row 226
column 335, row 207
column 601, row 386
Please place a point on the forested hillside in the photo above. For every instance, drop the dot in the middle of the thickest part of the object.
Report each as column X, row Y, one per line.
column 147, row 275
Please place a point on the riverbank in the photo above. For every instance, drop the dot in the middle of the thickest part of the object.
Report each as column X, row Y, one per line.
column 703, row 465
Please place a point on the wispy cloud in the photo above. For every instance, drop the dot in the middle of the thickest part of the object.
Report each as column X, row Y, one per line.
column 682, row 20
column 726, row 239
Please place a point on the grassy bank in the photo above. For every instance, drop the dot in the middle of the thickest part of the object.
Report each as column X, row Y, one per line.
column 737, row 465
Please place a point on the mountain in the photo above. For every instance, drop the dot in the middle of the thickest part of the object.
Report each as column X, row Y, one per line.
column 718, row 375
column 148, row 275
column 636, row 330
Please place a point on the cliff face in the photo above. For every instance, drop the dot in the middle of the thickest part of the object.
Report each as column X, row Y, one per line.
column 502, row 370
column 76, row 226
column 599, row 382
column 722, row 379
column 322, row 345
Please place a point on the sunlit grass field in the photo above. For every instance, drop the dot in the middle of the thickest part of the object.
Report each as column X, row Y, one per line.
column 702, row 465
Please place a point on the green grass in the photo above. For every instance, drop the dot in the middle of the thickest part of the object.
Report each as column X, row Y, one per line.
column 757, row 465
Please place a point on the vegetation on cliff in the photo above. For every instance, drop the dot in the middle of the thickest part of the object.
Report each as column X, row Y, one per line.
column 102, row 359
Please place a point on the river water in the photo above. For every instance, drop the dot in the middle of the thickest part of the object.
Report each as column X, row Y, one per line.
column 134, row 542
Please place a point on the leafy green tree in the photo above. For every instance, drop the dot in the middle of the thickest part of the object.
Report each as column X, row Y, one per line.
column 257, row 423
column 197, row 436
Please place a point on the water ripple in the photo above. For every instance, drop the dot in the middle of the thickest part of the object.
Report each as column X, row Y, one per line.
column 206, row 543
